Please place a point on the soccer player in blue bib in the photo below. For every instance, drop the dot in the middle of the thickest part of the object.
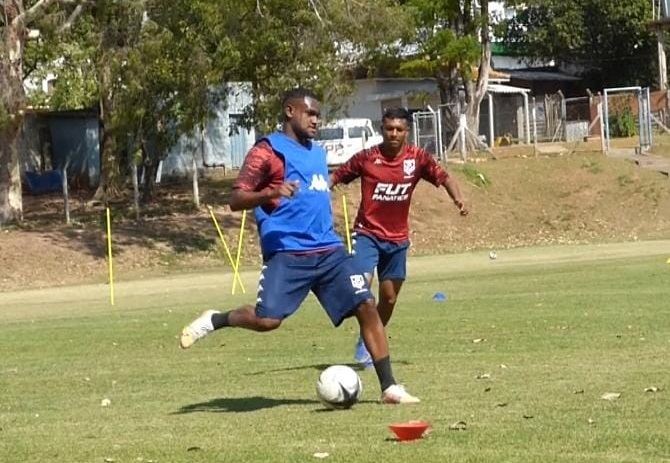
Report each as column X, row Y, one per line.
column 284, row 179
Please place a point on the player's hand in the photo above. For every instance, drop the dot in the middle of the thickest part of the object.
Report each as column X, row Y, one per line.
column 461, row 208
column 286, row 190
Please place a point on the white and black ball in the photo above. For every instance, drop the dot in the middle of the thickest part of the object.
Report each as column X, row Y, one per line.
column 339, row 387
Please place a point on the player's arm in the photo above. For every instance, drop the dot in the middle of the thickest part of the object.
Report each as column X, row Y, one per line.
column 454, row 193
column 259, row 182
column 350, row 170
column 437, row 175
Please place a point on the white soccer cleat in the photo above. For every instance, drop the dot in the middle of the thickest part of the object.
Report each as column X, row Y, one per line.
column 397, row 394
column 198, row 329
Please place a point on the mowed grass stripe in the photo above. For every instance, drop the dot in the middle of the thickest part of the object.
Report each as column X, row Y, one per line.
column 522, row 352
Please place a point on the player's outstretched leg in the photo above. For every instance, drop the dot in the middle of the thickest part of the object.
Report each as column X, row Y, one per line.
column 211, row 320
column 372, row 331
column 197, row 329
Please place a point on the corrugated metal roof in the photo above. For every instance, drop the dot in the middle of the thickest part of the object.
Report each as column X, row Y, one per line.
column 532, row 75
column 506, row 89
column 492, row 88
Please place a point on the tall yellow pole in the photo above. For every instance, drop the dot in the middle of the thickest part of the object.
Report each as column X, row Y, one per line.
column 236, row 275
column 240, row 242
column 346, row 222
column 109, row 258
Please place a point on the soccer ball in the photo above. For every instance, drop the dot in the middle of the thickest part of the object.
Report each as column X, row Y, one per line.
column 339, row 387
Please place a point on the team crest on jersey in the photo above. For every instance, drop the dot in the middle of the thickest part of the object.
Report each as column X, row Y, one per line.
column 408, row 166
column 358, row 282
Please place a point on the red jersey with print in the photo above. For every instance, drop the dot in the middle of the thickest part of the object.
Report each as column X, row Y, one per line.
column 387, row 185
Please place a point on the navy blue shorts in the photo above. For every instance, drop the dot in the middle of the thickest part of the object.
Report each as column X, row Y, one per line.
column 287, row 278
column 388, row 257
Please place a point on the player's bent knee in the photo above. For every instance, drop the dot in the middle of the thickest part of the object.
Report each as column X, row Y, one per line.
column 367, row 309
column 267, row 324
column 389, row 301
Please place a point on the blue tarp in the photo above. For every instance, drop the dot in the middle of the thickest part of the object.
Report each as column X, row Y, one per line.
column 76, row 143
column 44, row 182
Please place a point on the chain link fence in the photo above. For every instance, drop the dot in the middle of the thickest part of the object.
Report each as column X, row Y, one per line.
column 550, row 118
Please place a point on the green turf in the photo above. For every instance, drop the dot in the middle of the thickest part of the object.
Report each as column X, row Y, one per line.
column 558, row 328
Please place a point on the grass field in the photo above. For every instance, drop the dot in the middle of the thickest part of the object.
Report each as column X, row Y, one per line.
column 557, row 328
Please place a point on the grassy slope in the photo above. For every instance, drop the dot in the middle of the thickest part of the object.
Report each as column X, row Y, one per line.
column 575, row 198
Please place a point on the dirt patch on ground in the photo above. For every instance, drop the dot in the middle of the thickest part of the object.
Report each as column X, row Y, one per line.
column 514, row 201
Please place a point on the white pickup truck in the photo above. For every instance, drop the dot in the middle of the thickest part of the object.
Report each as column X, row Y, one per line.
column 343, row 138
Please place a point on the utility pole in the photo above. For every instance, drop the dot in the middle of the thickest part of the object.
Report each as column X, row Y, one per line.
column 661, row 19
column 662, row 63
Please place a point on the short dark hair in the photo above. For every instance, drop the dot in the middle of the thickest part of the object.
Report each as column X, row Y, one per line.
column 298, row 93
column 397, row 112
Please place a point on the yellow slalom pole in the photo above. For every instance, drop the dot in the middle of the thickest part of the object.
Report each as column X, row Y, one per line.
column 109, row 258
column 239, row 249
column 346, row 222
column 236, row 275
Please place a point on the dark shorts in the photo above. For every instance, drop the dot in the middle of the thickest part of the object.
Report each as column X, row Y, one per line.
column 287, row 278
column 388, row 257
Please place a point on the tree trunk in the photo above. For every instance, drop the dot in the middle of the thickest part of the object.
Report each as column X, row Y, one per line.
column 12, row 99
column 11, row 201
column 110, row 171
column 150, row 165
column 475, row 91
column 447, row 84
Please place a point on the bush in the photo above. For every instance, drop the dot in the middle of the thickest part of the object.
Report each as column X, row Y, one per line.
column 623, row 124
column 474, row 176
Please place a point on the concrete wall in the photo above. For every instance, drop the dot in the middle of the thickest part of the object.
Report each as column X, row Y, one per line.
column 373, row 95
column 219, row 145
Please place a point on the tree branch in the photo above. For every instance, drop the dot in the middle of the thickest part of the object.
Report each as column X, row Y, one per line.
column 28, row 69
column 30, row 14
column 71, row 19
column 316, row 10
column 34, row 11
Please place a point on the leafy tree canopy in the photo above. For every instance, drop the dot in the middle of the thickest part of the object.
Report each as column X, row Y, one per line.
column 609, row 39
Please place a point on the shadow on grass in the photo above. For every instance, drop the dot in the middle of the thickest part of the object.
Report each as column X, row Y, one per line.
column 241, row 404
column 320, row 367
column 324, row 409
column 253, row 404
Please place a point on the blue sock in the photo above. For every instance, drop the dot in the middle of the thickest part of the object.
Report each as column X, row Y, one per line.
column 361, row 354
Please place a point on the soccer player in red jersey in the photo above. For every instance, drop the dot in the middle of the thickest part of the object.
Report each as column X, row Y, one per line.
column 389, row 172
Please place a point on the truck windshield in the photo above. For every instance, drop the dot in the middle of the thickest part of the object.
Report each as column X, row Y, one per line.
column 356, row 132
column 330, row 133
